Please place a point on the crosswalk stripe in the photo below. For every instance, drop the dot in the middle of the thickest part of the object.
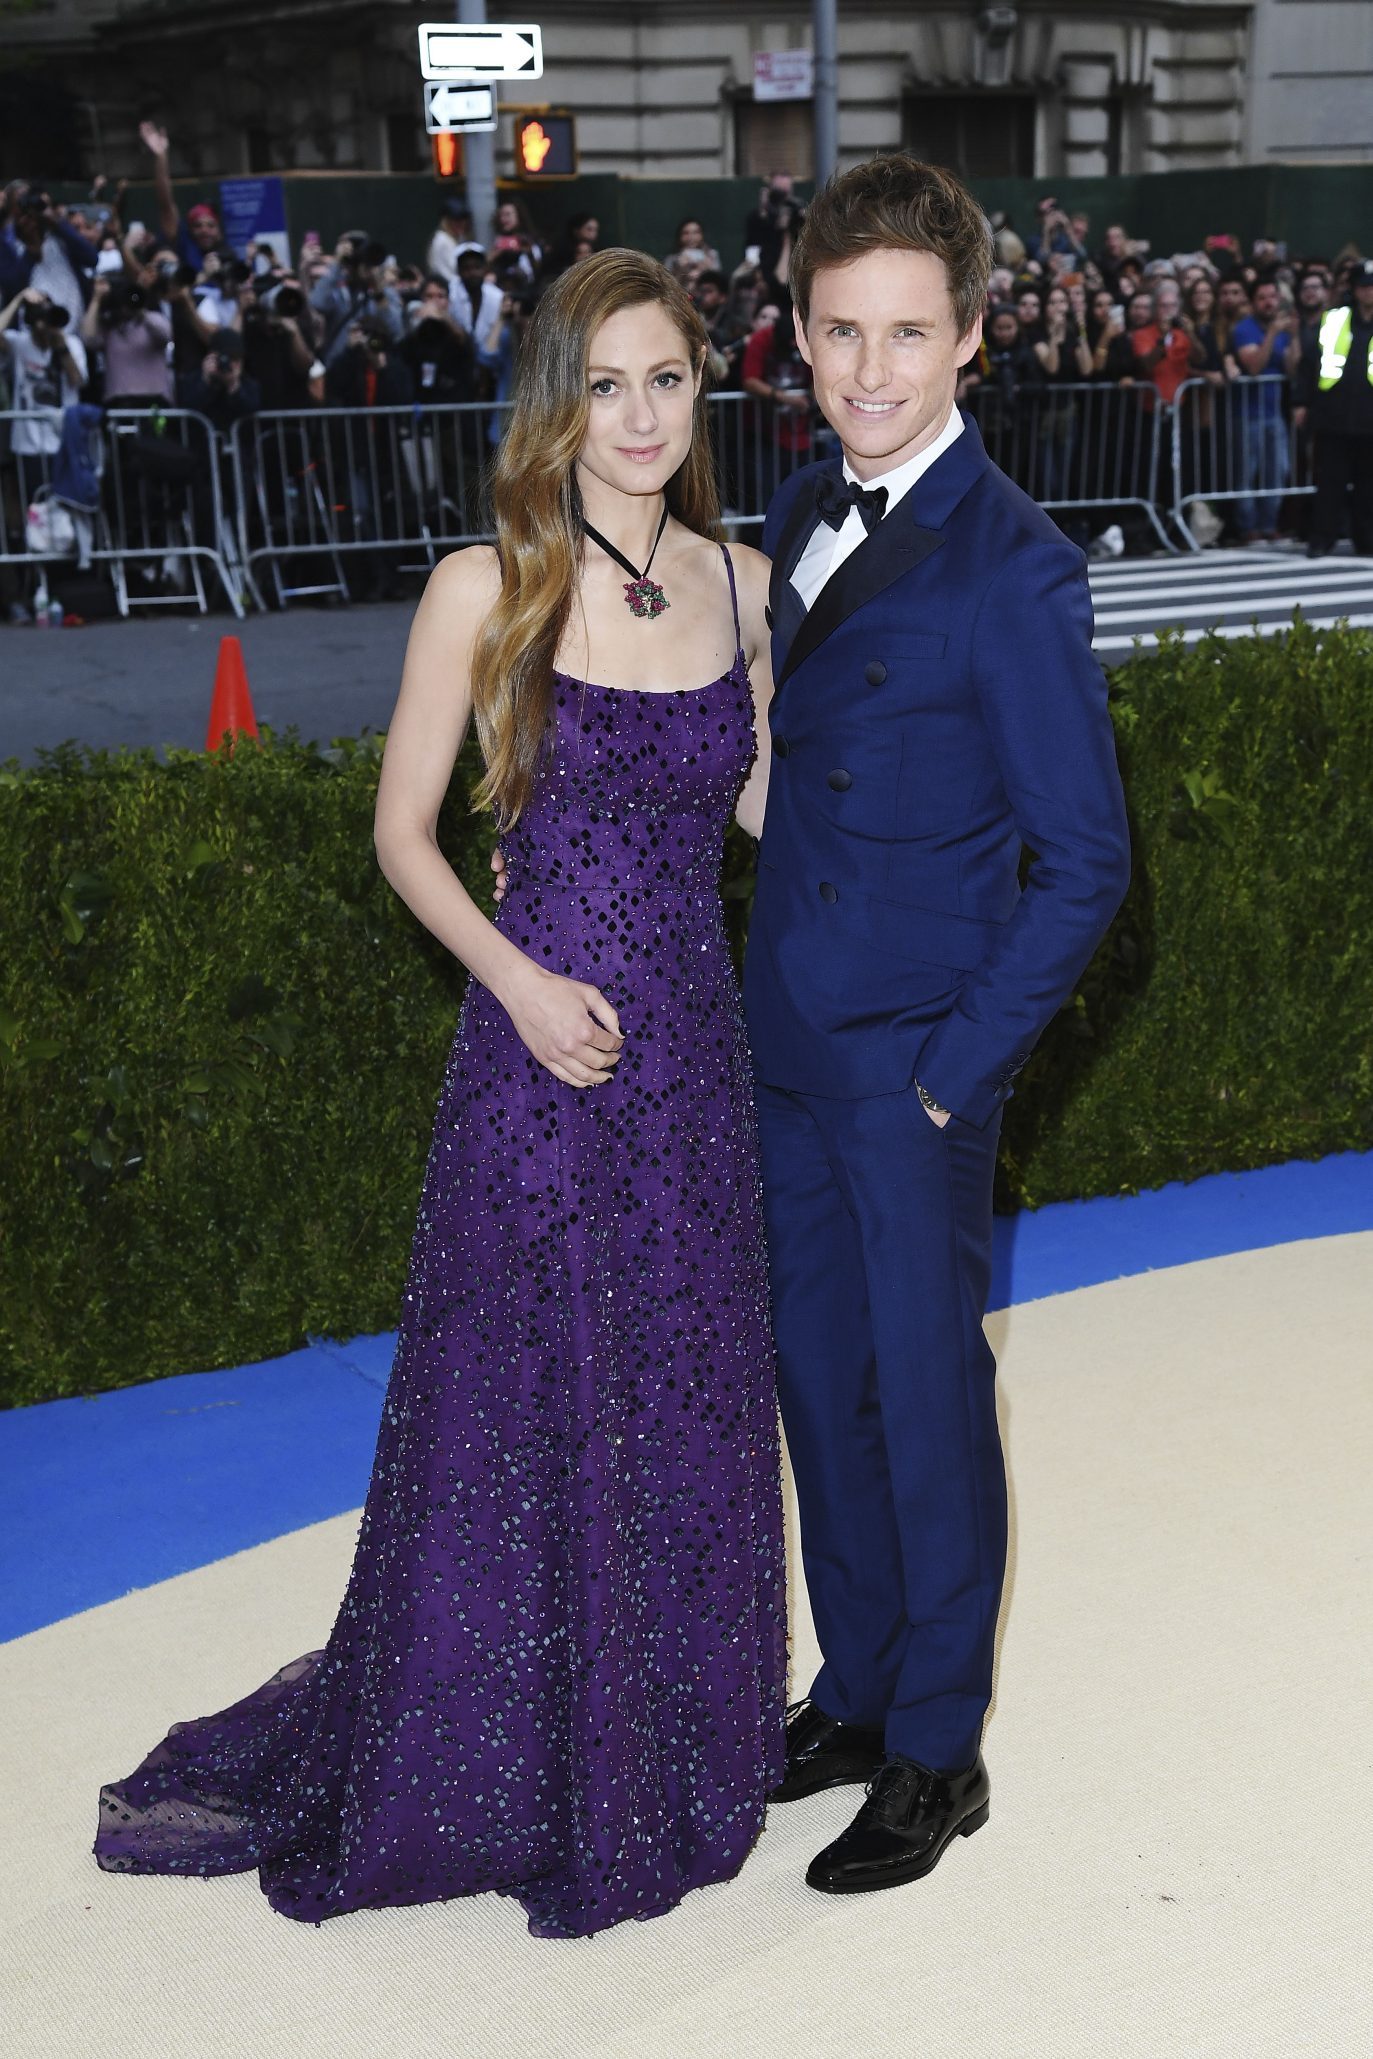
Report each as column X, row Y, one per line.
column 1234, row 593
column 1196, row 588
column 1188, row 614
column 1147, row 636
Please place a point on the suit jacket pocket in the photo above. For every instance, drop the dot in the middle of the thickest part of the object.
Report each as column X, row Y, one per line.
column 910, row 643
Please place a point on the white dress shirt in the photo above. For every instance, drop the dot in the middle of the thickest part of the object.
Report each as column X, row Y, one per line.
column 828, row 548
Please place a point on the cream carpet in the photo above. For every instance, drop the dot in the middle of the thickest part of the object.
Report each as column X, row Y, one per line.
column 1177, row 1861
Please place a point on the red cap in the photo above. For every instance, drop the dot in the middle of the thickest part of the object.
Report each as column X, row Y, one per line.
column 201, row 212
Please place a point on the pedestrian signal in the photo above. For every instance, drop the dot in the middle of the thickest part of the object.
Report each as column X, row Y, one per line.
column 448, row 162
column 546, row 146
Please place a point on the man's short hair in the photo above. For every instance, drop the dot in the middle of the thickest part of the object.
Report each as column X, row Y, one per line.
column 713, row 278
column 895, row 202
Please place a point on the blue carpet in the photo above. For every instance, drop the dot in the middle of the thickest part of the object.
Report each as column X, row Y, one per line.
column 121, row 1490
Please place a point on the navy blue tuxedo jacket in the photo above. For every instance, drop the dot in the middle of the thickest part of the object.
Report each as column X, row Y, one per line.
column 938, row 709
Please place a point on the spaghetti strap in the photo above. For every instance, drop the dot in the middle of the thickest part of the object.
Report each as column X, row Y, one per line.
column 734, row 602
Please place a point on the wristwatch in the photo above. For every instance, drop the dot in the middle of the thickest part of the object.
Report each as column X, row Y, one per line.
column 928, row 1101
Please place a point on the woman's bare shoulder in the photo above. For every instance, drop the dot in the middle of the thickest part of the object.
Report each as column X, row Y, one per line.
column 466, row 579
column 753, row 568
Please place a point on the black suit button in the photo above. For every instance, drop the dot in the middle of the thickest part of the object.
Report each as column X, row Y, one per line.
column 840, row 781
column 780, row 747
column 875, row 673
column 828, row 892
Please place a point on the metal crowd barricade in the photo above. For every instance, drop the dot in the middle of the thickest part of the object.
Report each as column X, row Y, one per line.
column 160, row 519
column 758, row 444
column 1236, row 442
column 316, row 485
column 1088, row 444
column 279, row 507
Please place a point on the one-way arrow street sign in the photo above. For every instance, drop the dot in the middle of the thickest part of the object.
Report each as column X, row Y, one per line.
column 450, row 109
column 480, row 50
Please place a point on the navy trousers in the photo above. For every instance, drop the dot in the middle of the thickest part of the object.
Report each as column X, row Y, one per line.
column 879, row 1237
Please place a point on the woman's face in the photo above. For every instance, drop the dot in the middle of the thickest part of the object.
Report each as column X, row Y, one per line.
column 507, row 218
column 642, row 388
column 1056, row 306
column 1102, row 303
column 590, row 230
column 691, row 236
column 1140, row 312
column 1077, row 300
column 1203, row 297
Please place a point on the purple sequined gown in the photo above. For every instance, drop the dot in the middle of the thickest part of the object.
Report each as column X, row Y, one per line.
column 558, row 1669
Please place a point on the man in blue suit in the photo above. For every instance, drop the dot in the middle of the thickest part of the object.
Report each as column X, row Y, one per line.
column 938, row 713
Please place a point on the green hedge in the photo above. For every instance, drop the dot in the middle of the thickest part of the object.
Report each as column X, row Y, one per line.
column 222, row 1037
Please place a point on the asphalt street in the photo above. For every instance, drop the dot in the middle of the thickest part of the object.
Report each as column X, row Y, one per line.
column 335, row 671
column 327, row 671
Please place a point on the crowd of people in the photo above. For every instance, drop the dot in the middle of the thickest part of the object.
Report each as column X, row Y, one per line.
column 99, row 309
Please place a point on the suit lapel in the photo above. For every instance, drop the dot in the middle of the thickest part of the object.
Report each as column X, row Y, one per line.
column 893, row 547
column 786, row 610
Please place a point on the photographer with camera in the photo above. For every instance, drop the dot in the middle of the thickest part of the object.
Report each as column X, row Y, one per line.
column 1167, row 348
column 353, row 291
column 437, row 349
column 475, row 300
column 367, row 371
column 1056, row 235
column 221, row 390
column 48, row 369
column 279, row 334
column 48, row 366
column 771, row 230
column 39, row 249
column 130, row 334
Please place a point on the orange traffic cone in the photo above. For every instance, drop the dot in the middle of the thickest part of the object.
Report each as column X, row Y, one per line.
column 231, row 709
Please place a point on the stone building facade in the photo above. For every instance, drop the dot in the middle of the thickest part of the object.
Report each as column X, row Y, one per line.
column 664, row 87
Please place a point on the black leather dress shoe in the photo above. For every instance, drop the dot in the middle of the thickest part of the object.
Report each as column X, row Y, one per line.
column 900, row 1832
column 823, row 1752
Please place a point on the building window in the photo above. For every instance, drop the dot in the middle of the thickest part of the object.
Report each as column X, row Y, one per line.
column 977, row 135
column 407, row 145
column 773, row 136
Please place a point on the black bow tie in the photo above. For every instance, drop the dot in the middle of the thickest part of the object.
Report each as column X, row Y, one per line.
column 834, row 497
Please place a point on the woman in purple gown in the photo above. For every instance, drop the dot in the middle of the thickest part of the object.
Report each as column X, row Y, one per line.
column 558, row 1669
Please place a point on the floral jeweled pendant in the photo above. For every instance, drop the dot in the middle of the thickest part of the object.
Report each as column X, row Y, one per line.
column 645, row 596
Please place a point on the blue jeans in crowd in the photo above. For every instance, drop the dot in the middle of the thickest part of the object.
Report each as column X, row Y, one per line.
column 1264, row 467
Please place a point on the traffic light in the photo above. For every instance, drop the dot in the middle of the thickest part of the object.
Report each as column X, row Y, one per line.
column 546, row 147
column 448, row 162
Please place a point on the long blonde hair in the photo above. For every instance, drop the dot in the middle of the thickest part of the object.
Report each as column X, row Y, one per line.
column 536, row 508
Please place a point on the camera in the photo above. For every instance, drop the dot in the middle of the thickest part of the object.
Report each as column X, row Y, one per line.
column 47, row 315
column 124, row 298
column 288, row 301
column 223, row 360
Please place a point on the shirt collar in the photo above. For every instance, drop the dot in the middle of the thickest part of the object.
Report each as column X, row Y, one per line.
column 902, row 478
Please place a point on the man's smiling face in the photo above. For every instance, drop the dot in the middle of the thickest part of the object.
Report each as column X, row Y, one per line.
column 883, row 341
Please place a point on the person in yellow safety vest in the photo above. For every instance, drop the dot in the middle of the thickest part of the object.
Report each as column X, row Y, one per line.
column 1335, row 383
